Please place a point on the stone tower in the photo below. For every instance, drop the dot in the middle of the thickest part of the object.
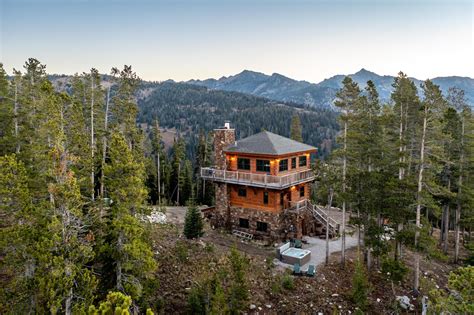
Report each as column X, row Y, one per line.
column 223, row 137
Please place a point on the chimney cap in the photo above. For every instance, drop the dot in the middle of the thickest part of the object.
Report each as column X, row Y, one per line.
column 227, row 124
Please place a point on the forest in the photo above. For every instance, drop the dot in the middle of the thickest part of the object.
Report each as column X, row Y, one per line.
column 80, row 166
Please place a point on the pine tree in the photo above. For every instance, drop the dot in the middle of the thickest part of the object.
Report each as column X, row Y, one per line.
column 347, row 99
column 193, row 223
column 176, row 181
column 7, row 116
column 432, row 107
column 296, row 131
column 406, row 119
column 132, row 255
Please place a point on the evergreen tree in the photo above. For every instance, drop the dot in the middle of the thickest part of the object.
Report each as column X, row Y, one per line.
column 296, row 131
column 347, row 99
column 360, row 287
column 432, row 107
column 176, row 180
column 7, row 116
column 193, row 223
column 203, row 159
column 131, row 254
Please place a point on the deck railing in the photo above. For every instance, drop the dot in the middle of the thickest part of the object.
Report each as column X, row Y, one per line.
column 259, row 180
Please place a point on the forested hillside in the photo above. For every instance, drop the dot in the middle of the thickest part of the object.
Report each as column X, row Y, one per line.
column 192, row 109
column 79, row 175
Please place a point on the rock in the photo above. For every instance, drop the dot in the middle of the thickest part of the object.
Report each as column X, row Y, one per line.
column 335, row 295
column 259, row 308
column 253, row 306
column 268, row 305
column 404, row 302
column 378, row 300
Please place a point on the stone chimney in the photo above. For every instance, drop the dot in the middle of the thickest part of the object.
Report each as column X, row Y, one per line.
column 222, row 138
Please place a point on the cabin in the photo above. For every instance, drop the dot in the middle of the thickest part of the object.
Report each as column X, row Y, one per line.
column 262, row 185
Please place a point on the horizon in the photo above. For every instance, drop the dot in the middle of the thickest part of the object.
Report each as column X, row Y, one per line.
column 202, row 39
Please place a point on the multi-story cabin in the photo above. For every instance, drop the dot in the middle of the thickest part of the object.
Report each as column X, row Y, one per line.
column 262, row 184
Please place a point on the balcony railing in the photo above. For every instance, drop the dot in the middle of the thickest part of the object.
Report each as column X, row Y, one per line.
column 258, row 180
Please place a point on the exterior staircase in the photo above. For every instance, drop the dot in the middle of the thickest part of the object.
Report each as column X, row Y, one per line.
column 321, row 215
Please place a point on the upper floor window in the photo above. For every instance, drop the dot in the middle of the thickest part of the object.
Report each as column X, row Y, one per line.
column 293, row 162
column 242, row 192
column 283, row 165
column 263, row 166
column 265, row 197
column 303, row 160
column 302, row 191
column 243, row 164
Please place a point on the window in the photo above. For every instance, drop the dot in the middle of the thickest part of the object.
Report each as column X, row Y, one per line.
column 262, row 226
column 282, row 197
column 242, row 192
column 244, row 223
column 302, row 191
column 263, row 166
column 293, row 162
column 243, row 164
column 302, row 160
column 283, row 165
column 265, row 197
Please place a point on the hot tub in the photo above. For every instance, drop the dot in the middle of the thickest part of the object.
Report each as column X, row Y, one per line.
column 296, row 255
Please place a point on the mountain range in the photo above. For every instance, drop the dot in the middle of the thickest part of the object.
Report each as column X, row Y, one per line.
column 281, row 88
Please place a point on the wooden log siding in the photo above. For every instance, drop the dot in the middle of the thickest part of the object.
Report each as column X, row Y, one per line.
column 254, row 198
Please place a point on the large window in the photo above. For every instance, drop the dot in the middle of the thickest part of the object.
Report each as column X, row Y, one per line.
column 242, row 192
column 265, row 197
column 283, row 165
column 302, row 160
column 244, row 223
column 302, row 191
column 243, row 164
column 263, row 166
column 293, row 162
column 262, row 226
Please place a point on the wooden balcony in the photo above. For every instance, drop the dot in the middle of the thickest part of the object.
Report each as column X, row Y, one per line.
column 257, row 180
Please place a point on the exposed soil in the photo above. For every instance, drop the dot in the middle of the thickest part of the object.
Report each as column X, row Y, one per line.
column 184, row 263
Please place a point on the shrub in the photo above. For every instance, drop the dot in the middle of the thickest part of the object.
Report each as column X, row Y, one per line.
column 395, row 269
column 360, row 286
column 461, row 288
column 287, row 282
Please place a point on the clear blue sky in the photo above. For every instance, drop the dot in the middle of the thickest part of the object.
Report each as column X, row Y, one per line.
column 177, row 39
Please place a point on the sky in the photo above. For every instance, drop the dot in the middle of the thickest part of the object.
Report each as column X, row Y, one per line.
column 199, row 39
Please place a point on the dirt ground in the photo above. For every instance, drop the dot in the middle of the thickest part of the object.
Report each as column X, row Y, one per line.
column 184, row 263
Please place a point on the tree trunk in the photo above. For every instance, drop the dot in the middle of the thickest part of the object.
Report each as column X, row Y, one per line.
column 104, row 145
column 344, row 170
column 441, row 229
column 92, row 138
column 331, row 192
column 460, row 183
column 418, row 199
column 446, row 230
column 15, row 118
column 118, row 270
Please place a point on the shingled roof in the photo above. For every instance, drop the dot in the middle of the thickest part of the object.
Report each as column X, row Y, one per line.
column 268, row 143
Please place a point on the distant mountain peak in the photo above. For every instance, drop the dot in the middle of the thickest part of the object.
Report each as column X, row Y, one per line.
column 282, row 88
column 364, row 71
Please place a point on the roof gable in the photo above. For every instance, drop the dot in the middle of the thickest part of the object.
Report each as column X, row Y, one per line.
column 268, row 143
